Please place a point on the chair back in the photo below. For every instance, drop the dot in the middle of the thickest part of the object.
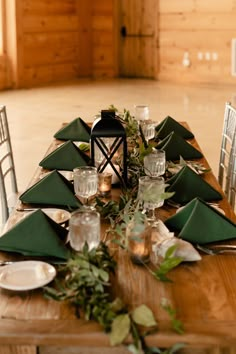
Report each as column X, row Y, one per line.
column 8, row 183
column 226, row 151
column 232, row 177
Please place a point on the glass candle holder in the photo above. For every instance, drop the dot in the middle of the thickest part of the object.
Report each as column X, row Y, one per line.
column 104, row 183
column 139, row 242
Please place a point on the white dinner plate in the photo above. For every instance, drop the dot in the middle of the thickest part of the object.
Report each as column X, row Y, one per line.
column 26, row 275
column 58, row 215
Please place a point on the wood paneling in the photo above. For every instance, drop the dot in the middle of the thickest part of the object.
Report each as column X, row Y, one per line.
column 202, row 29
column 211, row 6
column 103, row 48
column 47, row 40
column 138, row 38
column 47, row 7
column 65, row 39
column 195, row 21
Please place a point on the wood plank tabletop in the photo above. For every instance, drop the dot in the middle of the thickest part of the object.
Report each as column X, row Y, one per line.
column 203, row 294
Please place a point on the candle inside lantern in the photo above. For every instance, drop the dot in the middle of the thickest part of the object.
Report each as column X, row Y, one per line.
column 109, row 169
column 104, row 183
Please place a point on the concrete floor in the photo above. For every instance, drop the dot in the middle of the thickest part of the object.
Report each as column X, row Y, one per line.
column 36, row 114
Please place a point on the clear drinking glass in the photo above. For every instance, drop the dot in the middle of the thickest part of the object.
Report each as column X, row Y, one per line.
column 148, row 128
column 141, row 112
column 155, row 163
column 85, row 182
column 150, row 191
column 84, row 225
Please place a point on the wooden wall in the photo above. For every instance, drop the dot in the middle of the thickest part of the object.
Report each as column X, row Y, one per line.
column 196, row 26
column 60, row 40
column 53, row 41
column 104, row 38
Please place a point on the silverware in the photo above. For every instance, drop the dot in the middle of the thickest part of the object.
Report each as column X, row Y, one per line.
column 26, row 209
column 178, row 205
column 173, row 204
column 217, row 249
column 51, row 261
column 2, row 263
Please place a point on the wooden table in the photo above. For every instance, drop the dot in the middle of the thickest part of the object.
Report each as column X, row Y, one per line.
column 203, row 293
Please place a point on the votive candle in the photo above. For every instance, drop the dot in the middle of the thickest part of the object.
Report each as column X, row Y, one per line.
column 104, row 183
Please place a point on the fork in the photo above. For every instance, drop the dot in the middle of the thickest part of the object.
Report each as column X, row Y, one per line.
column 218, row 249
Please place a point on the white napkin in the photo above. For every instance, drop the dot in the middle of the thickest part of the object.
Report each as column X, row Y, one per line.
column 162, row 239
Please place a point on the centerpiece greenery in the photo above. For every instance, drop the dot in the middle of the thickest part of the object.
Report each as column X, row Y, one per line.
column 85, row 281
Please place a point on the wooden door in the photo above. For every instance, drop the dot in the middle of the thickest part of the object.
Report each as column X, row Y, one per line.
column 137, row 38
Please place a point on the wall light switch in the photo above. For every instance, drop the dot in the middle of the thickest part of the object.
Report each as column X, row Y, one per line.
column 215, row 56
column 200, row 56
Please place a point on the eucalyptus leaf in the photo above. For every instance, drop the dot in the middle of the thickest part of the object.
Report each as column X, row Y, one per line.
column 120, row 329
column 142, row 315
column 175, row 348
column 117, row 305
column 134, row 350
column 104, row 275
column 84, row 147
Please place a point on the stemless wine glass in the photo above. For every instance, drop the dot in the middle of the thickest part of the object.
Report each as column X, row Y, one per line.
column 84, row 226
column 85, row 182
column 150, row 194
column 155, row 163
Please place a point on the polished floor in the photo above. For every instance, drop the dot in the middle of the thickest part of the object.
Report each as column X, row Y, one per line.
column 36, row 114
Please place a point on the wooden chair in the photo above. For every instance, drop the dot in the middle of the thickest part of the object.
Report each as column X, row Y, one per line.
column 8, row 183
column 227, row 155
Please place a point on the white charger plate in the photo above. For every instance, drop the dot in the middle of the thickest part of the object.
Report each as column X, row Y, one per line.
column 26, row 275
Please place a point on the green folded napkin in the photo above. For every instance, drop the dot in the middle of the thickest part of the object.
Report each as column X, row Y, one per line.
column 187, row 185
column 36, row 235
column 65, row 157
column 198, row 222
column 175, row 146
column 53, row 189
column 168, row 125
column 76, row 130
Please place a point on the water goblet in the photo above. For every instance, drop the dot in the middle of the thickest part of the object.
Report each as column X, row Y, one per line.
column 85, row 182
column 148, row 128
column 141, row 112
column 84, row 226
column 150, row 195
column 155, row 163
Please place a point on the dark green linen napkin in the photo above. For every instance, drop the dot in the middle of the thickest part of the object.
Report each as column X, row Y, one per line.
column 53, row 189
column 168, row 125
column 65, row 157
column 36, row 235
column 198, row 222
column 187, row 185
column 175, row 146
column 76, row 130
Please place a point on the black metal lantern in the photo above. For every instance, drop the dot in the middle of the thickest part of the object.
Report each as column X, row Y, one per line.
column 108, row 141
